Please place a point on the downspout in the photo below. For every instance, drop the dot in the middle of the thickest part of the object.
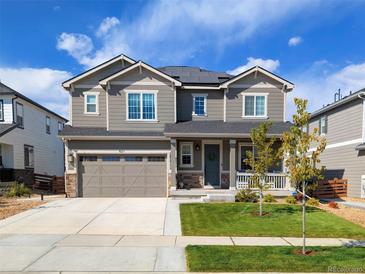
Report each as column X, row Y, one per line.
column 361, row 95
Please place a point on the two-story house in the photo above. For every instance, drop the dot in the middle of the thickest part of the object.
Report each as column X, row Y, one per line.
column 342, row 123
column 29, row 141
column 136, row 130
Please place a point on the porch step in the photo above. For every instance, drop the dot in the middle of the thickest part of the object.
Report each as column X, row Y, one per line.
column 219, row 198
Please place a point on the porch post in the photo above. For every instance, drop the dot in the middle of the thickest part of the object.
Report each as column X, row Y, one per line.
column 173, row 168
column 232, row 164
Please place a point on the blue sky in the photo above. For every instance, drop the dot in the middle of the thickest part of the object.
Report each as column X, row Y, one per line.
column 318, row 45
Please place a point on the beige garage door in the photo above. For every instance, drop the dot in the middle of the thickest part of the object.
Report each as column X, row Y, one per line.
column 122, row 176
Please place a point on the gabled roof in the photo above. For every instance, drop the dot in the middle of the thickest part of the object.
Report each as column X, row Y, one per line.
column 118, row 58
column 289, row 85
column 195, row 75
column 5, row 90
column 360, row 93
column 137, row 65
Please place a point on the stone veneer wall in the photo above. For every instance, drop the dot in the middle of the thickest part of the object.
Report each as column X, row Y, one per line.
column 190, row 180
column 71, row 185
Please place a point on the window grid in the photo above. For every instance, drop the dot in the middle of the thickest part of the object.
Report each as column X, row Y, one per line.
column 48, row 125
column 1, row 110
column 141, row 106
column 199, row 105
column 28, row 156
column 91, row 103
column 148, row 106
column 20, row 115
column 186, row 150
column 134, row 108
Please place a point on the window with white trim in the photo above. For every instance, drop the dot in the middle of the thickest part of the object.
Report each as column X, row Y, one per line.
column 323, row 121
column 19, row 113
column 91, row 102
column 48, row 125
column 199, row 104
column 254, row 105
column 60, row 127
column 28, row 156
column 186, row 154
column 141, row 106
column 1, row 110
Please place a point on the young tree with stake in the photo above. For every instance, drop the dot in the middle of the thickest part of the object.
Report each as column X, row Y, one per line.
column 301, row 160
column 262, row 159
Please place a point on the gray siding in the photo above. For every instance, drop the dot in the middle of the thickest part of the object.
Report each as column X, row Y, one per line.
column 197, row 156
column 345, row 162
column 118, row 102
column 344, row 122
column 185, row 105
column 123, row 145
column 275, row 103
column 88, row 120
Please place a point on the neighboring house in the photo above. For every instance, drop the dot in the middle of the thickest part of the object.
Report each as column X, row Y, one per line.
column 29, row 141
column 136, row 130
column 342, row 123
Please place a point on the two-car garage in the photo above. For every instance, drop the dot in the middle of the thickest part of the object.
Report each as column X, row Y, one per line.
column 122, row 175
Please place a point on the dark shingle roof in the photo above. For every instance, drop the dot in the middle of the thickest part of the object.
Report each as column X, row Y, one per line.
column 5, row 128
column 221, row 128
column 94, row 131
column 195, row 75
column 344, row 100
column 5, row 90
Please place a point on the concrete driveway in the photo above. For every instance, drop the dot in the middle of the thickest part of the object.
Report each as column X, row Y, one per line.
column 98, row 216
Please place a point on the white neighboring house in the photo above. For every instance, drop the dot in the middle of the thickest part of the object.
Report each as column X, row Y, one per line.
column 29, row 141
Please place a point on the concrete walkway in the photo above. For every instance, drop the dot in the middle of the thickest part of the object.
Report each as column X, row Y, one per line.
column 80, row 252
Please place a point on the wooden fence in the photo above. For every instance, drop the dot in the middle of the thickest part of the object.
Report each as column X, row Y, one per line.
column 335, row 188
column 49, row 184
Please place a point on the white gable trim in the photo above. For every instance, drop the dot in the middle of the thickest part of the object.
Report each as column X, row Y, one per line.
column 139, row 65
column 122, row 58
column 261, row 70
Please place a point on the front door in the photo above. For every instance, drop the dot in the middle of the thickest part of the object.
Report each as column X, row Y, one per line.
column 211, row 162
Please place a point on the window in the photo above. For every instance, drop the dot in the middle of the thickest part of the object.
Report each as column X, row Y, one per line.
column 110, row 158
column 60, row 127
column 141, row 106
column 186, row 155
column 28, row 156
column 48, row 125
column 91, row 102
column 133, row 158
column 1, row 110
column 255, row 105
column 199, row 105
column 323, row 125
column 244, row 148
column 88, row 158
column 19, row 115
column 156, row 159
column 305, row 129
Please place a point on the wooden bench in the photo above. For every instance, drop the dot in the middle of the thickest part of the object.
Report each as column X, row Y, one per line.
column 46, row 185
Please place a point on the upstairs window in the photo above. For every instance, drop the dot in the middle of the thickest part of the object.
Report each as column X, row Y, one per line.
column 323, row 125
column 60, row 127
column 1, row 110
column 186, row 154
column 199, row 105
column 141, row 106
column 19, row 110
column 48, row 125
column 255, row 105
column 91, row 102
column 28, row 156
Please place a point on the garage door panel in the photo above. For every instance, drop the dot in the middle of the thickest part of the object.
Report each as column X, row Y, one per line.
column 103, row 178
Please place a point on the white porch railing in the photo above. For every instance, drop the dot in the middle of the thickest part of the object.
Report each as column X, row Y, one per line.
column 275, row 181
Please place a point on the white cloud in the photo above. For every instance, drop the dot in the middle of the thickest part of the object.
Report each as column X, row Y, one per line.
column 295, row 41
column 105, row 26
column 319, row 83
column 79, row 46
column 268, row 64
column 42, row 85
column 164, row 30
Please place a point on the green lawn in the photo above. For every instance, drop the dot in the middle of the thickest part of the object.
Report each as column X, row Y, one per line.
column 270, row 259
column 236, row 219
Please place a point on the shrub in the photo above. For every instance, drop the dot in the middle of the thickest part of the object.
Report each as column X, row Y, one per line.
column 291, row 200
column 313, row 202
column 247, row 195
column 269, row 199
column 18, row 190
column 332, row 205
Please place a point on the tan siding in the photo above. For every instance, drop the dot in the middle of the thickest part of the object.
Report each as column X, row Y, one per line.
column 345, row 162
column 260, row 79
column 275, row 103
column 185, row 105
column 127, row 144
column 80, row 119
column 226, row 155
column 197, row 156
column 344, row 122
